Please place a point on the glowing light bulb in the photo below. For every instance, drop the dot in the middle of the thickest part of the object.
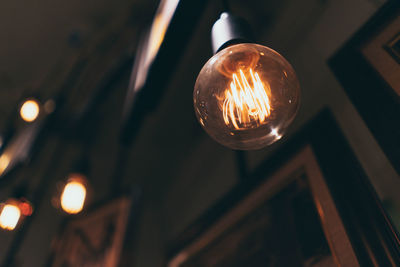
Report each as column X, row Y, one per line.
column 9, row 216
column 29, row 110
column 243, row 103
column 246, row 96
column 73, row 196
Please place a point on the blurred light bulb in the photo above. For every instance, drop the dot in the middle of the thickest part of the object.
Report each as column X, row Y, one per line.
column 9, row 216
column 73, row 195
column 246, row 95
column 29, row 110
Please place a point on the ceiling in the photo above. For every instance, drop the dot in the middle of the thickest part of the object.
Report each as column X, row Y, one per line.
column 41, row 37
column 43, row 41
column 46, row 39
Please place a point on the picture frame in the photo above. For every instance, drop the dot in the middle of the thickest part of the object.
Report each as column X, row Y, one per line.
column 97, row 238
column 249, row 223
column 368, row 68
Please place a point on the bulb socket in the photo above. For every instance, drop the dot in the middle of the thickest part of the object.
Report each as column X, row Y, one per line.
column 229, row 30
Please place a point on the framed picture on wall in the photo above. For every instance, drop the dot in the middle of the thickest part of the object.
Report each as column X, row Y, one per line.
column 94, row 239
column 310, row 204
column 368, row 67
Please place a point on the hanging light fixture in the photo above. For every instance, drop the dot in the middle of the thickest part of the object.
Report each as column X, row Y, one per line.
column 247, row 94
column 13, row 211
column 9, row 215
column 72, row 194
column 29, row 110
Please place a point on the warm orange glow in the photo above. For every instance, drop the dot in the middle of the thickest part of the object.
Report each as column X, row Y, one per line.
column 9, row 216
column 246, row 102
column 73, row 197
column 160, row 25
column 4, row 162
column 26, row 208
column 29, row 110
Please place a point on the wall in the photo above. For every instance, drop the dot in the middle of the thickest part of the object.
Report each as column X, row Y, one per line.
column 307, row 33
column 177, row 191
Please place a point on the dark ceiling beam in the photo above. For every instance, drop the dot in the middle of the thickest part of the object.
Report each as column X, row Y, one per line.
column 177, row 37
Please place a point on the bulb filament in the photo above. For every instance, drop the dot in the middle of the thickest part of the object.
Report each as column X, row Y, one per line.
column 244, row 104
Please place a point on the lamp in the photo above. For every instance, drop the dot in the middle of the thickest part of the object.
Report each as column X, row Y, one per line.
column 13, row 211
column 73, row 196
column 247, row 94
column 29, row 110
column 72, row 193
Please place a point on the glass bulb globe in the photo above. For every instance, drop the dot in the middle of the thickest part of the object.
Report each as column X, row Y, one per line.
column 246, row 96
column 29, row 110
column 74, row 194
column 10, row 215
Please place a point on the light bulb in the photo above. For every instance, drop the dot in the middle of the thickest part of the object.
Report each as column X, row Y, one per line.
column 74, row 194
column 29, row 110
column 246, row 96
column 9, row 215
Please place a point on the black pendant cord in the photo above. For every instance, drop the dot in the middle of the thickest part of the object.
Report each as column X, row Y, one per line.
column 226, row 6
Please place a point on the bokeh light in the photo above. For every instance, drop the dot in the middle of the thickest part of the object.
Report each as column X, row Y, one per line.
column 73, row 196
column 29, row 110
column 9, row 216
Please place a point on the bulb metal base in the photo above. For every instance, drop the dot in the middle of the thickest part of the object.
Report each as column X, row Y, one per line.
column 229, row 30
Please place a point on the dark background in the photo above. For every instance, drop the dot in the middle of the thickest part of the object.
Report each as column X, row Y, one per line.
column 180, row 170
